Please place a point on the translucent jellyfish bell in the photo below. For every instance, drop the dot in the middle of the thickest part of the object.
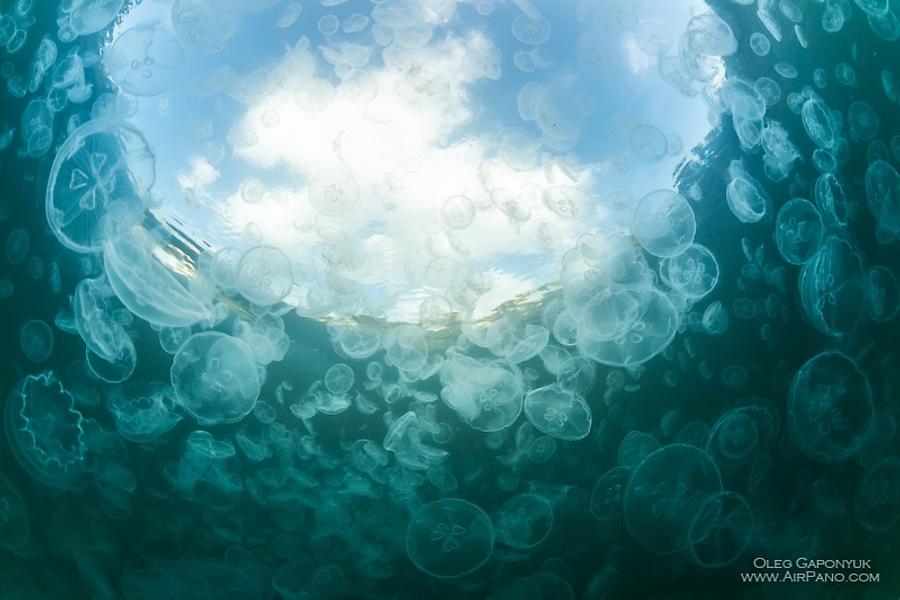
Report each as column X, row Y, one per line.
column 215, row 378
column 832, row 286
column 449, row 538
column 798, row 230
column 667, row 491
column 693, row 273
column 45, row 431
column 145, row 60
column 558, row 413
column 143, row 410
column 721, row 530
column 110, row 351
column 878, row 496
column 524, row 521
column 487, row 396
column 99, row 183
column 829, row 407
column 664, row 223
column 36, row 340
column 607, row 496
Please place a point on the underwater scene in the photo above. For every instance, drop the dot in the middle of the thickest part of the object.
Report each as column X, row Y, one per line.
column 425, row 299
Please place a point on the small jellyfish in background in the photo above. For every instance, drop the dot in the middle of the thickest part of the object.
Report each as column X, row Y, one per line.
column 449, row 538
column 539, row 585
column 882, row 294
column 635, row 447
column 14, row 529
column 84, row 17
column 558, row 413
column 36, row 340
column 339, row 378
column 264, row 275
column 741, row 432
column 878, row 496
column 693, row 273
column 666, row 493
column 664, row 223
column 883, row 195
column 524, row 521
column 487, row 396
column 333, row 192
column 145, row 60
column 721, row 530
column 45, row 431
column 715, row 318
column 18, row 242
column 200, row 24
column 110, row 352
column 829, row 407
column 458, row 211
column 99, row 184
column 143, row 410
column 406, row 347
column 215, row 378
column 608, row 494
column 648, row 142
column 798, row 230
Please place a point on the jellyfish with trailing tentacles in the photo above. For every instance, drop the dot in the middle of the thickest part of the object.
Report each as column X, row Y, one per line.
column 449, row 538
column 100, row 322
column 45, row 431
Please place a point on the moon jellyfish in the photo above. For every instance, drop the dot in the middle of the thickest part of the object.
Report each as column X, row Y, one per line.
column 878, row 496
column 715, row 319
column 145, row 60
column 45, row 431
column 558, row 413
column 18, row 242
column 883, row 195
column 99, row 184
column 202, row 25
column 863, row 121
column 405, row 439
column 449, row 537
column 487, row 396
column 146, row 286
column 740, row 432
column 333, row 192
column 540, row 585
column 607, row 496
column 36, row 340
column 829, row 407
column 693, row 273
column 14, row 529
column 665, row 495
column 110, row 352
column 635, row 447
column 215, row 378
column 882, row 294
column 524, row 521
column 664, row 223
column 339, row 378
column 406, row 347
column 85, row 17
column 264, row 275
column 831, row 200
column 458, row 211
column 798, row 230
column 832, row 286
column 721, row 530
column 651, row 329
column 648, row 142
column 143, row 410
column 746, row 199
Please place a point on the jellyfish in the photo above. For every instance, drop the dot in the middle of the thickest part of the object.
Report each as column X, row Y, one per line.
column 664, row 223
column 635, row 447
column 831, row 200
column 567, row 201
column 740, row 432
column 449, row 538
column 693, row 273
column 882, row 294
column 333, row 192
column 145, row 60
column 648, row 142
column 200, row 24
column 99, row 184
column 607, row 496
column 819, row 123
column 339, row 378
column 458, row 211
column 721, row 530
column 14, row 529
column 215, row 378
column 524, row 521
column 36, row 340
column 558, row 413
column 666, row 493
column 85, row 17
column 404, row 439
column 883, row 195
column 715, row 318
column 830, row 407
column 798, row 230
column 110, row 351
column 406, row 347
column 264, row 275
column 359, row 341
column 45, row 431
column 146, row 286
column 878, row 495
column 143, row 410
column 746, row 198
column 832, row 286
column 486, row 395
column 18, row 242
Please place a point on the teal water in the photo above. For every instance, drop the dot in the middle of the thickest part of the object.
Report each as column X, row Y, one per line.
column 482, row 299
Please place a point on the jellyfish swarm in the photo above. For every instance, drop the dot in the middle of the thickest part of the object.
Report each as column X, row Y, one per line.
column 215, row 378
column 44, row 430
column 449, row 538
column 99, row 183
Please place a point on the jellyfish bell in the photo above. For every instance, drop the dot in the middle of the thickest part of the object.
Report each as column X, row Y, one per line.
column 558, row 413
column 524, row 521
column 449, row 538
column 143, row 410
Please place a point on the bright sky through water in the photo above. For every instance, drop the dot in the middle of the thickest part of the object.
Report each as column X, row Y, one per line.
column 285, row 112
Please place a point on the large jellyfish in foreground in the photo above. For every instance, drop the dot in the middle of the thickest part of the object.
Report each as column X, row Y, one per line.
column 449, row 538
column 215, row 378
column 45, row 431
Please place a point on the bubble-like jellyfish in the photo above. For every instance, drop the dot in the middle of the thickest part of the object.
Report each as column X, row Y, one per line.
column 878, row 496
column 608, row 494
column 648, row 142
column 449, row 538
column 36, row 340
column 798, row 230
column 666, row 493
column 99, row 183
column 334, row 192
column 200, row 24
column 882, row 294
column 539, row 585
column 264, row 275
column 145, row 60
column 721, row 530
column 635, row 447
column 406, row 347
column 740, row 432
column 832, row 286
column 14, row 529
column 664, row 223
column 45, row 431
column 829, row 407
column 747, row 199
column 693, row 273
column 648, row 329
column 405, row 439
column 487, row 396
column 883, row 195
column 524, row 521
column 339, row 378
column 215, row 378
column 110, row 352
column 143, row 410
column 558, row 413
column 147, row 287
column 458, row 211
